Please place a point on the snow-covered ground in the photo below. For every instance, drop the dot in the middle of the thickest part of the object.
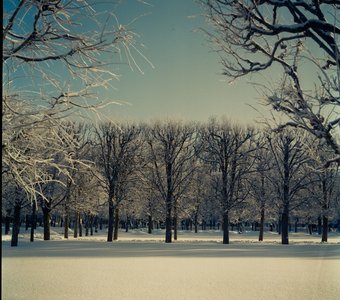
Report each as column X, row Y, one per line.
column 197, row 266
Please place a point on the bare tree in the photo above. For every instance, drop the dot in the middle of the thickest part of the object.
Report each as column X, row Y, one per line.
column 15, row 199
column 172, row 151
column 324, row 189
column 86, row 197
column 229, row 150
column 289, row 159
column 118, row 153
column 255, row 36
column 260, row 189
column 199, row 193
column 146, row 202
column 35, row 160
column 77, row 145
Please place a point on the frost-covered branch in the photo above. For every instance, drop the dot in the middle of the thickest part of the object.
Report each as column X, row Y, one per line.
column 298, row 36
column 57, row 58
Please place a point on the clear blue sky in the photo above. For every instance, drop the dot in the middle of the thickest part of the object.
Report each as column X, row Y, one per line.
column 185, row 81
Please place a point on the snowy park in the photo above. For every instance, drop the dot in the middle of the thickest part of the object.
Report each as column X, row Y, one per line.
column 170, row 150
column 196, row 266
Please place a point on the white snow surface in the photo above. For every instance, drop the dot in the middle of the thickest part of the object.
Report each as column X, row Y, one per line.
column 198, row 266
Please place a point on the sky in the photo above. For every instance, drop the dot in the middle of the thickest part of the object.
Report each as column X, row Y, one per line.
column 184, row 80
column 178, row 74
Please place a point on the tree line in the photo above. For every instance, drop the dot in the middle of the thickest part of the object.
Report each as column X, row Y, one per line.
column 168, row 171
column 173, row 172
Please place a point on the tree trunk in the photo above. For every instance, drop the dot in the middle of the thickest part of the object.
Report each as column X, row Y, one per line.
column 116, row 224
column 33, row 221
column 324, row 229
column 110, row 224
column 296, row 225
column 286, row 193
column 76, row 223
column 175, row 220
column 285, row 227
column 150, row 226
column 96, row 224
column 91, row 224
column 168, row 233
column 225, row 227
column 66, row 222
column 325, row 208
column 16, row 225
column 169, row 202
column 319, row 225
column 196, row 222
column 47, row 220
column 310, row 229
column 261, row 225
column 7, row 221
column 175, row 228
column 87, row 224
column 80, row 223
column 279, row 225
column 127, row 224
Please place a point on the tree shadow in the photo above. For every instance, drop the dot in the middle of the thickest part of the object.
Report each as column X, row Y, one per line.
column 102, row 249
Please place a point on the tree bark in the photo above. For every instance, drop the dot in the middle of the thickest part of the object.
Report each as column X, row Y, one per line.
column 47, row 220
column 33, row 221
column 168, row 202
column 110, row 224
column 324, row 229
column 116, row 224
column 87, row 224
column 91, row 224
column 196, row 222
column 261, row 225
column 7, row 221
column 16, row 225
column 319, row 225
column 127, row 224
column 150, row 225
column 279, row 225
column 285, row 226
column 325, row 207
column 296, row 225
column 76, row 223
column 226, row 227
column 175, row 220
column 95, row 224
column 168, row 233
column 66, row 222
column 80, row 226
column 286, row 194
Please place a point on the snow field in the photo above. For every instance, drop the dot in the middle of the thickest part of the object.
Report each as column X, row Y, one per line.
column 170, row 278
column 199, row 268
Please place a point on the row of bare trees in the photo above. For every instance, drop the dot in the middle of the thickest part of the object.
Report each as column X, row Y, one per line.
column 171, row 171
column 54, row 66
